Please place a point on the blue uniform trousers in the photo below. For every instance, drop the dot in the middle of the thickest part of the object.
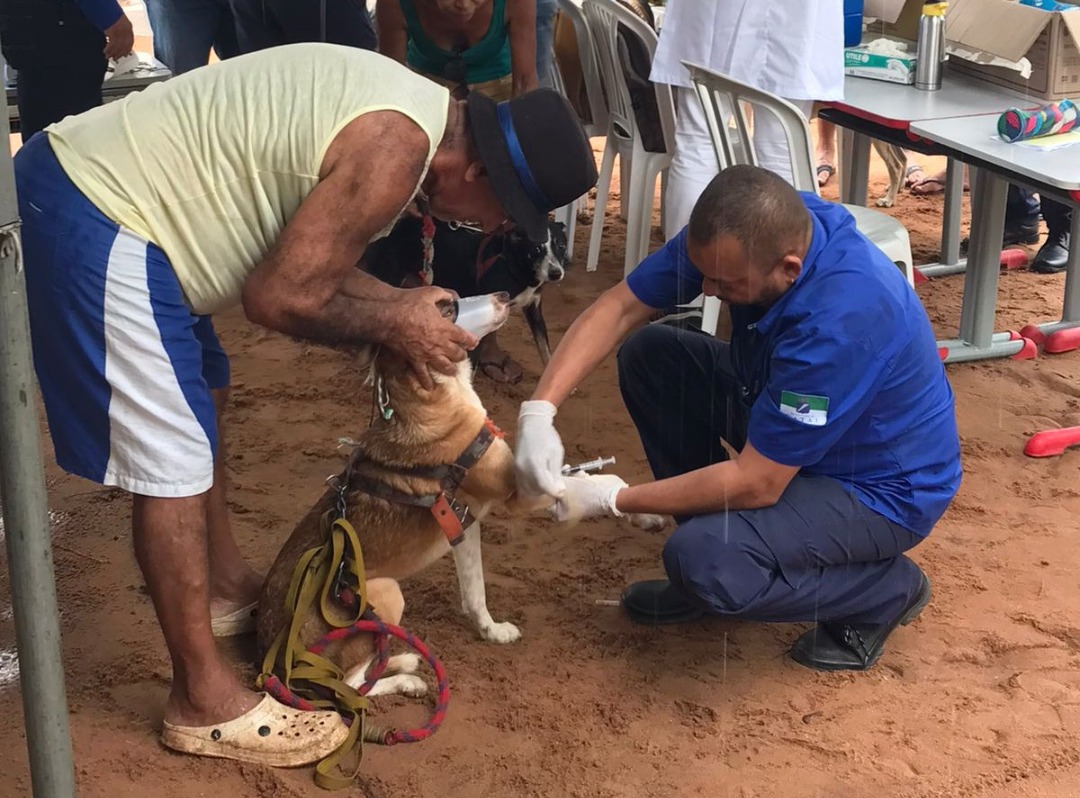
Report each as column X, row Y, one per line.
column 818, row 554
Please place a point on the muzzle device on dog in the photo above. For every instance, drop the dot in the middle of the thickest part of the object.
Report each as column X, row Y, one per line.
column 480, row 315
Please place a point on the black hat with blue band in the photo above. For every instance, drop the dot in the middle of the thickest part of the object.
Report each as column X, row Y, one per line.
column 535, row 152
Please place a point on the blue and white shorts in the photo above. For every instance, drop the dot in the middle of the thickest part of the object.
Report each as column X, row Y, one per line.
column 125, row 368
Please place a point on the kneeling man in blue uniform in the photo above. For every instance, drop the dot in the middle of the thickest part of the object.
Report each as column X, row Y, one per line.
column 831, row 392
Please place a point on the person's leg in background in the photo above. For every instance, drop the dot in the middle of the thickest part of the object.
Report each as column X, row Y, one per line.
column 693, row 164
column 186, row 30
column 1053, row 256
column 256, row 26
column 825, row 152
column 545, row 34
column 1021, row 216
column 58, row 56
column 346, row 22
column 770, row 142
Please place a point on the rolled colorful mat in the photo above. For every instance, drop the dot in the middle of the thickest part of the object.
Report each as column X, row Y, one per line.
column 1017, row 125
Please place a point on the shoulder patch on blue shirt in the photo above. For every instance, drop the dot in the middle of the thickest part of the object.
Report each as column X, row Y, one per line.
column 805, row 408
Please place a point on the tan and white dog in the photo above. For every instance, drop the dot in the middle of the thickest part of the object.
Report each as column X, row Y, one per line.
column 895, row 162
column 406, row 452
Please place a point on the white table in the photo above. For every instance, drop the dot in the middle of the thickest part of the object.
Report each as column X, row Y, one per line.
column 997, row 163
column 878, row 109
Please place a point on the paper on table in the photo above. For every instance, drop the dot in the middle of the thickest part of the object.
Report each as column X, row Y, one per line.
column 1046, row 143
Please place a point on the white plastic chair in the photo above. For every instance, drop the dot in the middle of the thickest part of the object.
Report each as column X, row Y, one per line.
column 723, row 99
column 640, row 167
column 596, row 122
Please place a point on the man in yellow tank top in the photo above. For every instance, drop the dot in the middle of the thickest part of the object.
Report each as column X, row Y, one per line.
column 257, row 181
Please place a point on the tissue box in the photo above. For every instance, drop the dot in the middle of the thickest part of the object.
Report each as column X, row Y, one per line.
column 859, row 61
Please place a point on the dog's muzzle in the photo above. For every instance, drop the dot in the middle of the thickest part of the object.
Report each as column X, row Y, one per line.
column 481, row 315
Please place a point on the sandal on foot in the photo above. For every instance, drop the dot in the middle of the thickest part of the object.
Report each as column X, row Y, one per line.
column 910, row 172
column 501, row 370
column 927, row 187
column 238, row 622
column 269, row 734
column 829, row 171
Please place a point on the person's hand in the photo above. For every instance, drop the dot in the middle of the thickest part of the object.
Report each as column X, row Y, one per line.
column 538, row 451
column 119, row 38
column 588, row 496
column 425, row 336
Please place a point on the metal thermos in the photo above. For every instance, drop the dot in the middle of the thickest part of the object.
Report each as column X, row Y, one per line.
column 930, row 55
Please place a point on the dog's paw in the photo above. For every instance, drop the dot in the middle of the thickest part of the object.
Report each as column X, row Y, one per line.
column 500, row 633
column 404, row 663
column 400, row 684
column 884, row 202
column 410, row 685
column 648, row 521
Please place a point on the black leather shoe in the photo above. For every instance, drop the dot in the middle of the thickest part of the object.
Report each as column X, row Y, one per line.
column 656, row 602
column 838, row 646
column 1012, row 235
column 1053, row 256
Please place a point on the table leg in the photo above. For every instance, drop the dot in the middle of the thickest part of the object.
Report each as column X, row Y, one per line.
column 846, row 143
column 860, row 169
column 951, row 262
column 1070, row 310
column 977, row 339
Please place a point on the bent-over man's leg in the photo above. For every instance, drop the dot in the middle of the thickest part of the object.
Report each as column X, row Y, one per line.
column 126, row 374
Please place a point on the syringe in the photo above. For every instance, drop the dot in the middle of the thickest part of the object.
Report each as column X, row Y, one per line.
column 589, row 465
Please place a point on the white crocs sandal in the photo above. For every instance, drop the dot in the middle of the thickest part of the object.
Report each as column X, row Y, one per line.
column 238, row 622
column 269, row 734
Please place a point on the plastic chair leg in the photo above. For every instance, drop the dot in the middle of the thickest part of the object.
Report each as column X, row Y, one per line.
column 603, row 187
column 1051, row 442
column 567, row 214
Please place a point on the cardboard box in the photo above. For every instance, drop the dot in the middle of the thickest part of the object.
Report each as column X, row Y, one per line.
column 891, row 68
column 1004, row 28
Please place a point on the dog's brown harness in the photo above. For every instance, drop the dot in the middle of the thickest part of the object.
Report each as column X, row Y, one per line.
column 452, row 516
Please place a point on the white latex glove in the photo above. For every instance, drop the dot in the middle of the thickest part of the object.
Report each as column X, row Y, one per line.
column 538, row 451
column 588, row 496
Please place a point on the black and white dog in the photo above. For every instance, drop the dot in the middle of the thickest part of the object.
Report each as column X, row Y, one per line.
column 472, row 263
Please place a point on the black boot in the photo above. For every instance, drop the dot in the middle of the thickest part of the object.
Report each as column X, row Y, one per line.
column 1053, row 256
column 839, row 646
column 656, row 602
column 1012, row 234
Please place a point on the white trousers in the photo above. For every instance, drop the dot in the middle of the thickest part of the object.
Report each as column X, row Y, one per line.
column 693, row 165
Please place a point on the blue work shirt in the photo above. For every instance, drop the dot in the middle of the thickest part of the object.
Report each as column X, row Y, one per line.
column 842, row 373
column 102, row 13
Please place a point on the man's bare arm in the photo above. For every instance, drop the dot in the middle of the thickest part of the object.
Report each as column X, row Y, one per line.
column 393, row 35
column 521, row 16
column 308, row 284
column 746, row 482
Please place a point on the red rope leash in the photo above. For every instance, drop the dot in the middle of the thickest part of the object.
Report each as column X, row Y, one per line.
column 383, row 632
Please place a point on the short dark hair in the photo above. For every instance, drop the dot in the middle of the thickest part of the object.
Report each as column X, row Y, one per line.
column 755, row 206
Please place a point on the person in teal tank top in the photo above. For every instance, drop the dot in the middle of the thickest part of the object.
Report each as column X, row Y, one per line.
column 467, row 45
column 486, row 46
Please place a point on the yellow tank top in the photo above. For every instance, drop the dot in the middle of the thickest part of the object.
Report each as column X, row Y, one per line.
column 211, row 165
